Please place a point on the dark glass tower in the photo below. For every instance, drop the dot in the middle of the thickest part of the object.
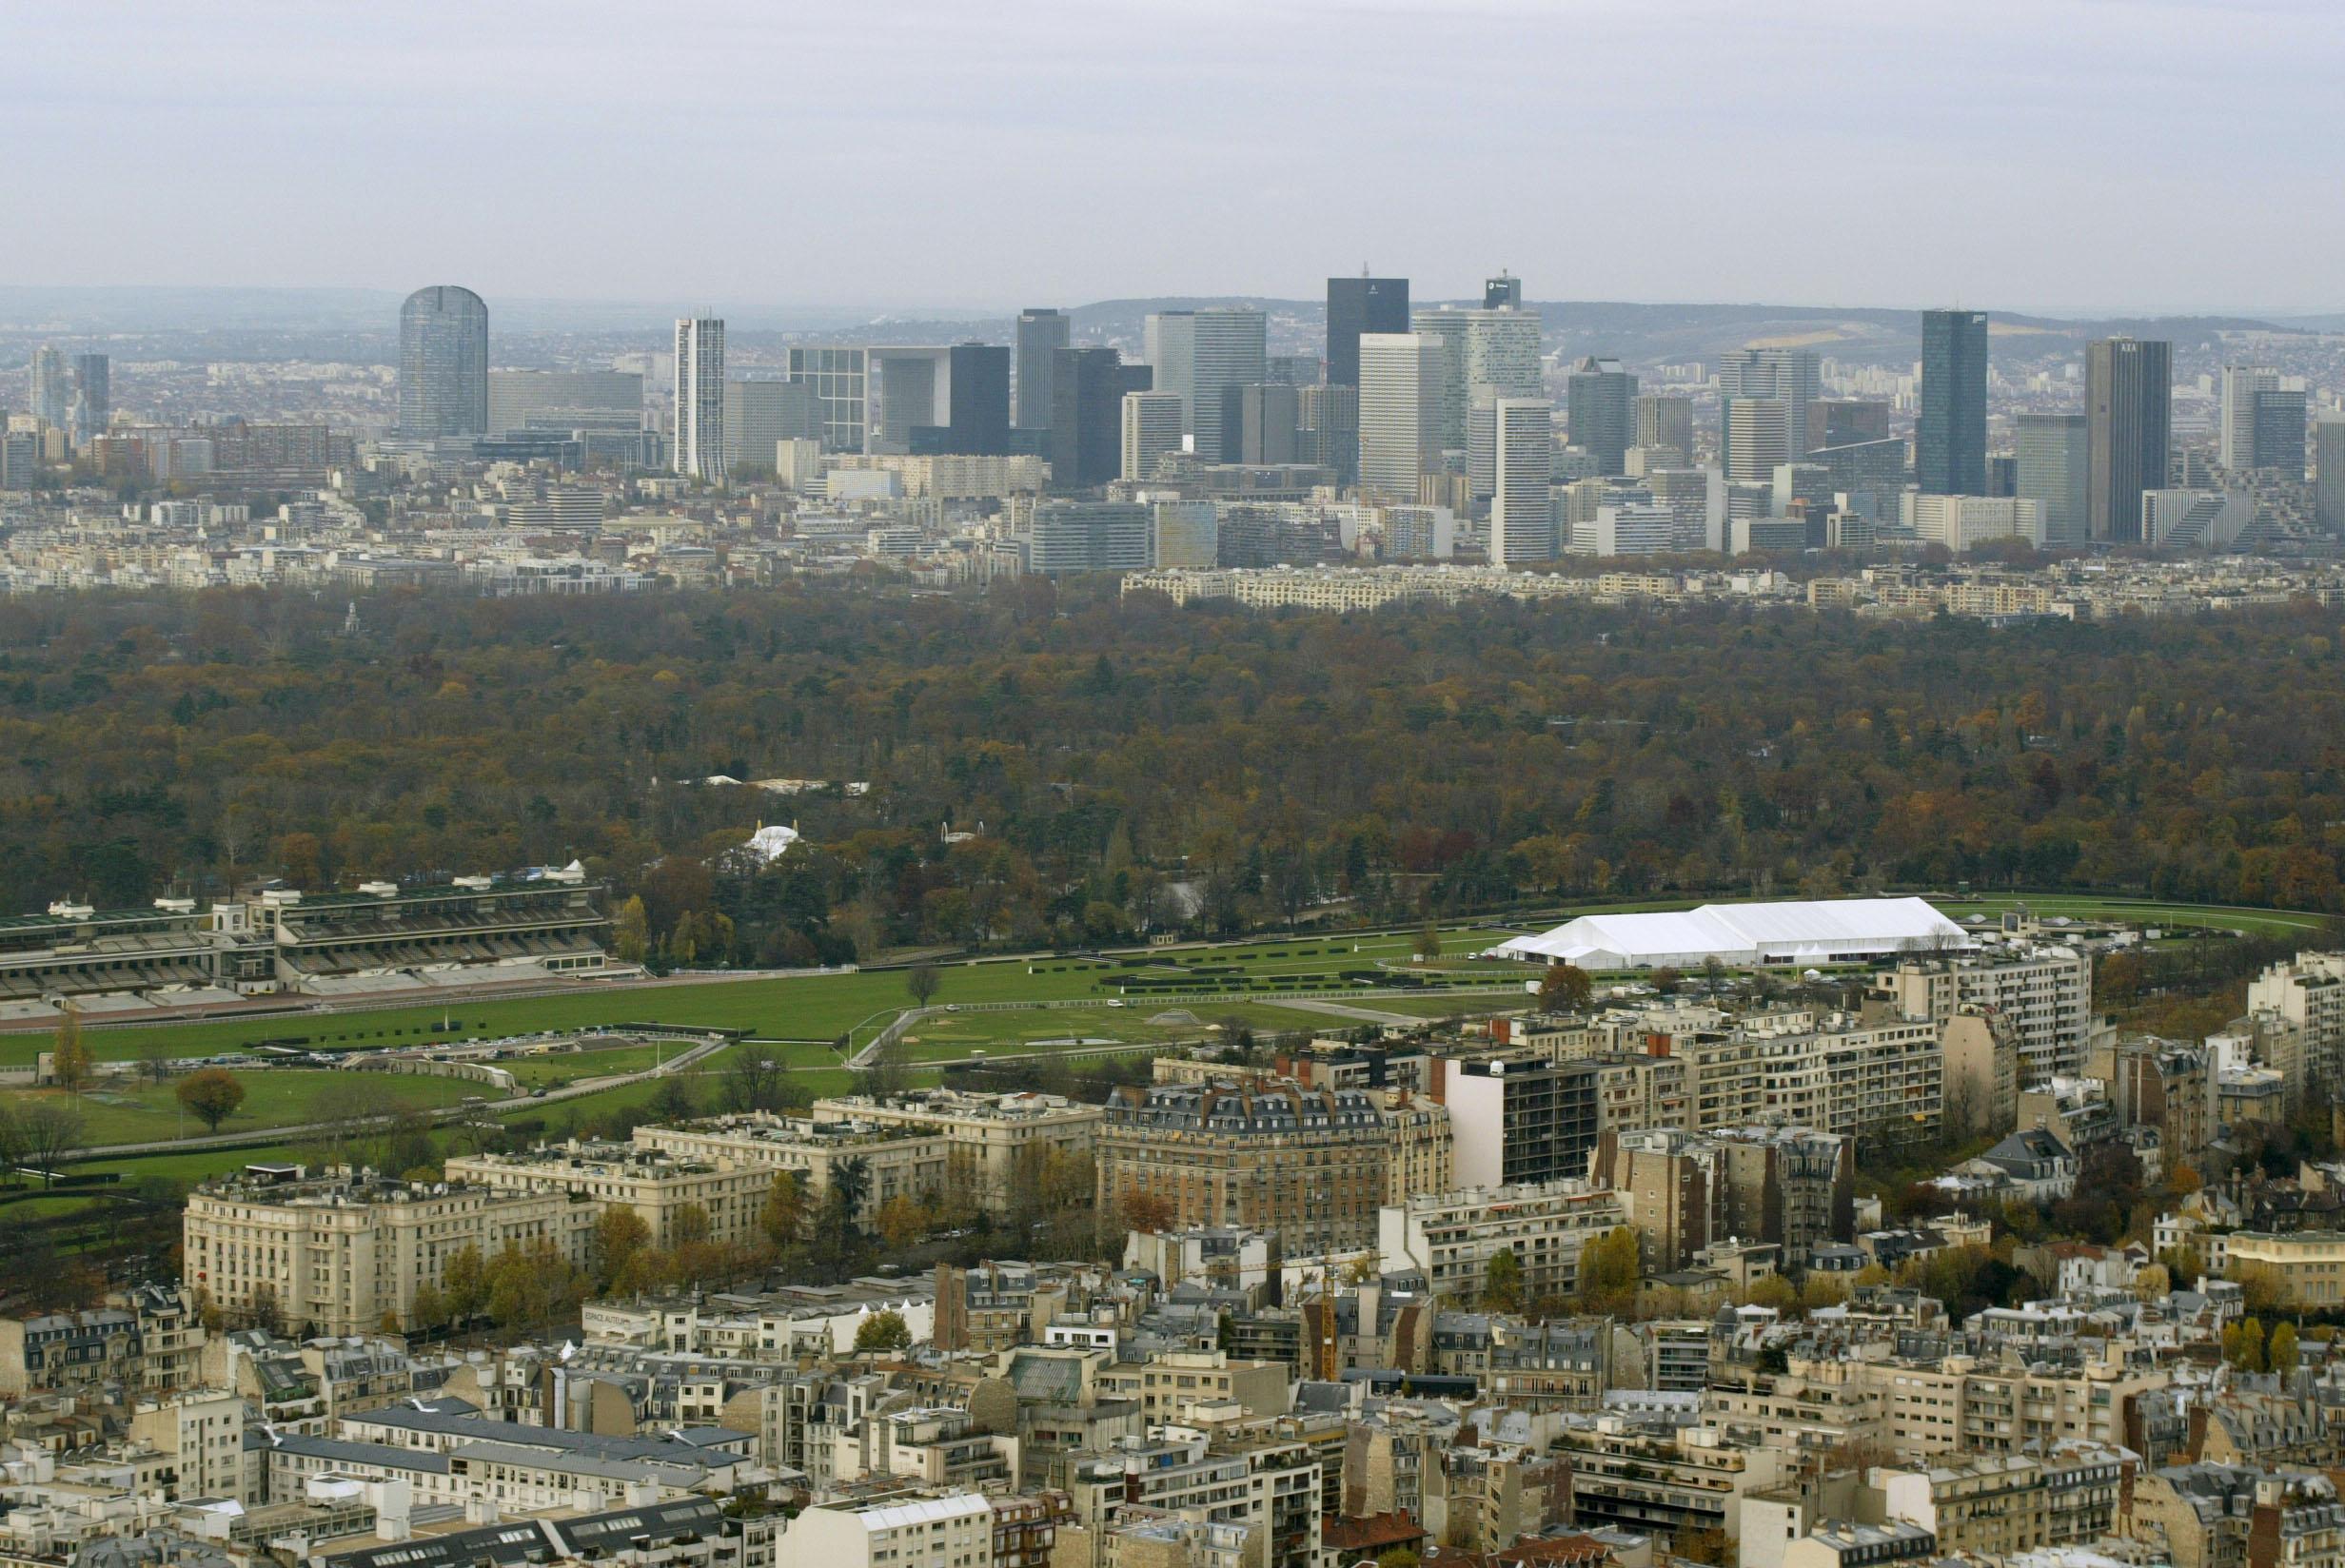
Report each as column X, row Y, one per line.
column 1357, row 306
column 1950, row 443
column 978, row 398
column 442, row 364
column 92, row 407
column 1086, row 415
column 2129, row 406
column 1601, row 398
column 1040, row 335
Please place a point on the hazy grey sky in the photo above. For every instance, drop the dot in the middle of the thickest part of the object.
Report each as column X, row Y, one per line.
column 2011, row 154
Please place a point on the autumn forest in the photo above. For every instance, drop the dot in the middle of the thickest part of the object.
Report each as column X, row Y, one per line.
column 1056, row 765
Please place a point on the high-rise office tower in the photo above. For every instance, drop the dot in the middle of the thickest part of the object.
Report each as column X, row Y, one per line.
column 1088, row 536
column 1356, row 306
column 1666, row 420
column 2279, row 432
column 2261, row 423
column 1199, row 353
column 1504, row 292
column 442, row 364
column 1270, row 421
column 760, row 415
column 1302, row 369
column 94, row 397
column 698, row 433
column 1793, row 377
column 1844, row 421
column 1600, row 401
column 1522, row 500
column 2055, row 469
column 2235, row 443
column 841, row 378
column 1501, row 361
column 1502, row 356
column 1152, row 427
column 1041, row 333
column 1330, row 429
column 1445, row 329
column 1950, row 440
column 975, row 401
column 1757, row 438
column 565, row 400
column 1087, row 411
column 53, row 388
column 2329, row 472
column 1400, row 389
column 1188, row 533
column 906, row 389
column 2128, row 399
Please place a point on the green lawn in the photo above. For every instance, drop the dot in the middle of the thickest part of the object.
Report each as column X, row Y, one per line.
column 802, row 1008
column 1436, row 1004
column 2142, row 911
column 818, row 1007
column 556, row 1068
column 278, row 1097
column 193, row 1166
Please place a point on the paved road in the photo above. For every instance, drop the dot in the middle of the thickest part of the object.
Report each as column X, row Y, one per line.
column 1364, row 1015
column 681, row 1062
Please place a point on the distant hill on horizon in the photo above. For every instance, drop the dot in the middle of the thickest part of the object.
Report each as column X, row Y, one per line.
column 1644, row 333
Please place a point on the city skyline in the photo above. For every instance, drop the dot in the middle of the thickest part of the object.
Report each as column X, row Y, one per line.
column 972, row 95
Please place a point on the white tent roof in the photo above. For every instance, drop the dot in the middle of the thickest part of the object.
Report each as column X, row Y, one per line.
column 1746, row 932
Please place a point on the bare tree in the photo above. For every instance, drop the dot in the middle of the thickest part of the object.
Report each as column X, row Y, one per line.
column 154, row 1059
column 52, row 1133
column 756, row 1079
column 888, row 1070
column 354, row 1116
column 921, row 983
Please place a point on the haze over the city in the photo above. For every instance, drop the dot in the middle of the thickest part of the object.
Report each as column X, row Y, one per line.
column 2090, row 157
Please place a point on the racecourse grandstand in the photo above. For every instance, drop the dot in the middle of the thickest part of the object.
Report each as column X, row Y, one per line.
column 551, row 923
column 472, row 931
column 74, row 952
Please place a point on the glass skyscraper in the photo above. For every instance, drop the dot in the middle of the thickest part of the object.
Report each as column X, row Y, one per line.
column 2129, row 406
column 442, row 364
column 94, row 397
column 1950, row 441
column 1357, row 306
column 1040, row 335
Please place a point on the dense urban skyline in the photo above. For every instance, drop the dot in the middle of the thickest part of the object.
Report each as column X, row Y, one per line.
column 2080, row 142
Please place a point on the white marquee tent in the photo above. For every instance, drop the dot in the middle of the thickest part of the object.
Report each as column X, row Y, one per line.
column 1836, row 931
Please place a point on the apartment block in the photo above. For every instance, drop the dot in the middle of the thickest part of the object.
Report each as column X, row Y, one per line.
column 896, row 1161
column 2308, row 992
column 1673, row 1187
column 1518, row 1119
column 657, row 1185
column 2307, row 1265
column 992, row 1142
column 146, row 1339
column 954, row 1531
column 1997, row 1505
column 202, row 1430
column 1670, row 1482
column 1238, row 1476
column 1169, row 1386
column 1308, row 1164
column 336, row 1254
column 1450, row 1237
column 2044, row 990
